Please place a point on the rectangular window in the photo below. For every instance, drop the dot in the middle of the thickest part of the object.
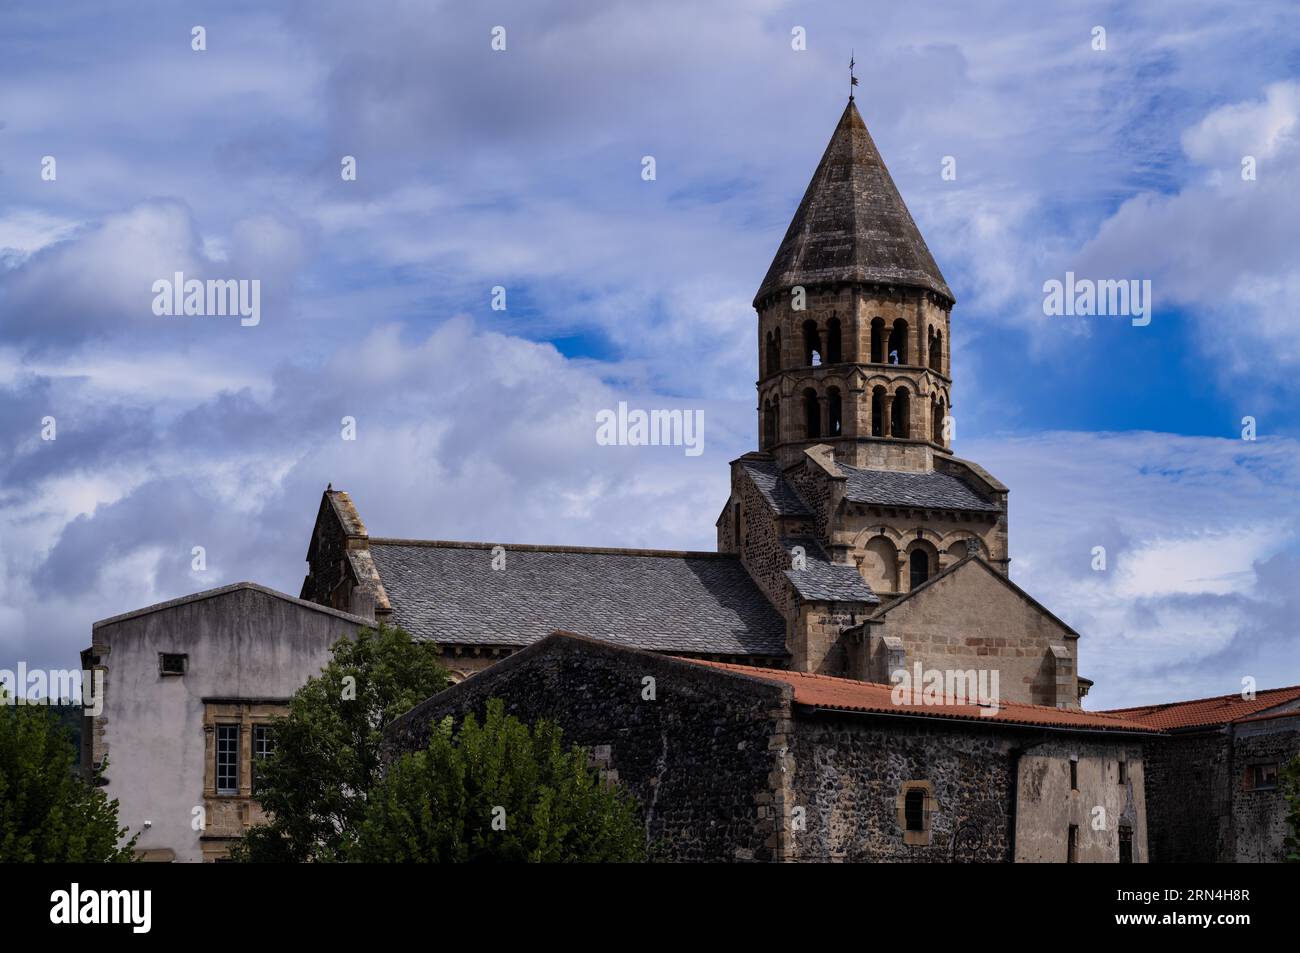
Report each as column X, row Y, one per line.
column 1125, row 844
column 1074, row 774
column 1263, row 777
column 263, row 746
column 172, row 663
column 227, row 759
column 914, row 809
column 1072, row 847
column 1123, row 772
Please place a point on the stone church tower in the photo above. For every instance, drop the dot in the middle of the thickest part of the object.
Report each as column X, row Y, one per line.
column 878, row 545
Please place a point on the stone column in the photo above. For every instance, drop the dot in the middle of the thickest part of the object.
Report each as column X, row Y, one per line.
column 887, row 416
column 850, row 413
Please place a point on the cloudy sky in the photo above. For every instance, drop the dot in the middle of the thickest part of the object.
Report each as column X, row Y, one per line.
column 522, row 169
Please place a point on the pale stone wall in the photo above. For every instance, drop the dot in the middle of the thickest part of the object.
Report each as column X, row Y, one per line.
column 241, row 644
column 1098, row 808
column 969, row 619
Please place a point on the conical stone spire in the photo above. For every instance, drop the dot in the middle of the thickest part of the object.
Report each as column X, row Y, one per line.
column 852, row 225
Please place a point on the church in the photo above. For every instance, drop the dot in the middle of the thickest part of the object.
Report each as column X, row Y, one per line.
column 852, row 536
column 853, row 546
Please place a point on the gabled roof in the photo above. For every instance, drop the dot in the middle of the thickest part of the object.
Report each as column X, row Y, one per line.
column 227, row 590
column 927, row 489
column 960, row 565
column 821, row 580
column 774, row 488
column 1206, row 712
column 705, row 603
column 852, row 224
column 844, row 694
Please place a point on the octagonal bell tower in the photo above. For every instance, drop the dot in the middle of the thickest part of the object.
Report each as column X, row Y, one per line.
column 854, row 321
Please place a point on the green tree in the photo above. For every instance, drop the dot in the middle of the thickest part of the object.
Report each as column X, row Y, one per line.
column 326, row 758
column 1291, row 795
column 47, row 812
column 497, row 791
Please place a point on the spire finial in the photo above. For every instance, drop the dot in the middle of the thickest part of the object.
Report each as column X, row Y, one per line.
column 853, row 80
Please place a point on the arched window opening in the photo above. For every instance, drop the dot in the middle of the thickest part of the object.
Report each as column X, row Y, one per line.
column 919, row 565
column 812, row 344
column 936, row 350
column 812, row 414
column 769, row 424
column 899, row 417
column 898, row 343
column 937, row 425
column 877, row 412
column 878, row 342
column 914, row 809
column 834, row 411
column 773, row 354
column 834, row 344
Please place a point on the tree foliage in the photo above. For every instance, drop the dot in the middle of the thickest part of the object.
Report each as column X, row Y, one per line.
column 47, row 812
column 498, row 791
column 326, row 759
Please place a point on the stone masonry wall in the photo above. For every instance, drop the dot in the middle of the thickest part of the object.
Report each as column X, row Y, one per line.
column 849, row 772
column 1258, row 823
column 701, row 758
column 1187, row 797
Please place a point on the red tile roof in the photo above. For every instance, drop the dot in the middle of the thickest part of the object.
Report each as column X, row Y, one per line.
column 844, row 694
column 1220, row 710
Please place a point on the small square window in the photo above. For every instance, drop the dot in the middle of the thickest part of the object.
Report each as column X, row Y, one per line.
column 1263, row 777
column 172, row 663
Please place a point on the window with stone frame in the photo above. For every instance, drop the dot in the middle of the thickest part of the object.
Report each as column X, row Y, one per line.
column 237, row 732
column 916, row 807
column 1262, row 776
column 263, row 748
column 227, row 768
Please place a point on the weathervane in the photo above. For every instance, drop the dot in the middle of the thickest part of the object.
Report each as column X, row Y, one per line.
column 853, row 80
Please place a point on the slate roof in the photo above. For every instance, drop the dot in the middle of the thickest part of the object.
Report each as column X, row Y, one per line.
column 662, row 601
column 775, row 489
column 852, row 224
column 843, row 694
column 824, row 581
column 926, row 490
column 1205, row 712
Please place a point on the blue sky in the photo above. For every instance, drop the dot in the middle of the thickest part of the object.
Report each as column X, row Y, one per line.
column 522, row 169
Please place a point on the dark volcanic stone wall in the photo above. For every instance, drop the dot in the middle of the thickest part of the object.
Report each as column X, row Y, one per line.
column 849, row 771
column 326, row 569
column 1259, row 816
column 696, row 758
column 1187, row 798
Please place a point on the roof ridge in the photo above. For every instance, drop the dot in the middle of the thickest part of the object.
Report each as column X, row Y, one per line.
column 888, row 687
column 224, row 590
column 543, row 548
column 1165, row 706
